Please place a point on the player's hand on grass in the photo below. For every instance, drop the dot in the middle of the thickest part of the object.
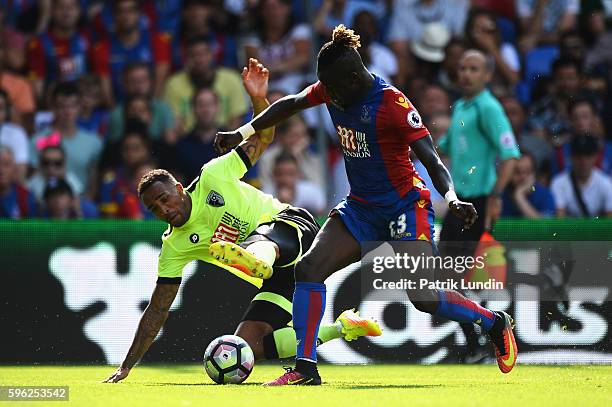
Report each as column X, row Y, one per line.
column 226, row 140
column 255, row 79
column 464, row 211
column 120, row 374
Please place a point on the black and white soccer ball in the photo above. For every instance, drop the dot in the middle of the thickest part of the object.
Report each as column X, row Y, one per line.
column 229, row 359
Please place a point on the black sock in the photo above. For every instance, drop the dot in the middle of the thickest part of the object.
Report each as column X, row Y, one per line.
column 306, row 367
column 471, row 337
column 499, row 323
column 269, row 347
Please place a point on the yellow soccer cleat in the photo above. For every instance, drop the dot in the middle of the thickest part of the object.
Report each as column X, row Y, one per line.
column 355, row 326
column 239, row 258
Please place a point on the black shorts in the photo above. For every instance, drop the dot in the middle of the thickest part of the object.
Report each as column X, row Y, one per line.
column 272, row 303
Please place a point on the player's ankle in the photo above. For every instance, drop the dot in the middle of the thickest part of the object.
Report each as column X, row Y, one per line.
column 498, row 323
column 306, row 367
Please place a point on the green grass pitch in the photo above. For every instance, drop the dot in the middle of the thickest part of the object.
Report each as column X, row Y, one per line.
column 374, row 385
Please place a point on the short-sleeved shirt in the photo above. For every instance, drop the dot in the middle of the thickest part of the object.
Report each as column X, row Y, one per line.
column 479, row 134
column 223, row 208
column 276, row 53
column 375, row 134
column 382, row 61
column 228, row 87
column 54, row 59
column 18, row 203
column 408, row 17
column 561, row 158
column 83, row 150
column 596, row 194
column 553, row 11
column 15, row 138
column 110, row 57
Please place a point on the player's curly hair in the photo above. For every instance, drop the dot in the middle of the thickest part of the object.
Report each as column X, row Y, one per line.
column 344, row 44
column 345, row 37
column 153, row 176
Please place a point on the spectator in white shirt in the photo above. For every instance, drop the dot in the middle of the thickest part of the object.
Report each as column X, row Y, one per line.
column 281, row 45
column 583, row 191
column 408, row 19
column 13, row 137
column 542, row 21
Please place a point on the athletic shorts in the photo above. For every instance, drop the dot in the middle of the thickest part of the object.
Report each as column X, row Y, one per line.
column 410, row 218
column 293, row 230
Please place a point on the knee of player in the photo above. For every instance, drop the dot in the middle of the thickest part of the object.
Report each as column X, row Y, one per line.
column 307, row 270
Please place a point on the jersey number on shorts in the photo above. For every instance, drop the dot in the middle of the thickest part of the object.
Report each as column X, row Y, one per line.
column 398, row 227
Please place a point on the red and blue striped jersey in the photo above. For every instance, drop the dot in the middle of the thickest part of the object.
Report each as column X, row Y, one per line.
column 55, row 59
column 375, row 136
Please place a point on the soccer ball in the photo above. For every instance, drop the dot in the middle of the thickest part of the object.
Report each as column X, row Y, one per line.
column 228, row 359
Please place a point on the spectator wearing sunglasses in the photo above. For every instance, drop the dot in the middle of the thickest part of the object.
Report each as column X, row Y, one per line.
column 53, row 166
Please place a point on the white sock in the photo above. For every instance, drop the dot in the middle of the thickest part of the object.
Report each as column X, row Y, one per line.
column 264, row 250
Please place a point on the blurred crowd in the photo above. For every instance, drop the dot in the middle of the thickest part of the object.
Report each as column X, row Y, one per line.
column 93, row 94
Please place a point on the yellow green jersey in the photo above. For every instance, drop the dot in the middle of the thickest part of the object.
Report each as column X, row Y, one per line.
column 223, row 208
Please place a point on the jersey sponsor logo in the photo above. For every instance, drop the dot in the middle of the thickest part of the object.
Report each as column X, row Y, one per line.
column 225, row 233
column 403, row 102
column 414, row 119
column 230, row 229
column 353, row 142
column 215, row 199
column 194, row 238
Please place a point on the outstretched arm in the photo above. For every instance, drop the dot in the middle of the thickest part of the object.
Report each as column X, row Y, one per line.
column 266, row 115
column 151, row 322
column 255, row 81
column 426, row 152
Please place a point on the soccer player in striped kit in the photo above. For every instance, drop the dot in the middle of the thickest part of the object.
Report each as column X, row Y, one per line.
column 377, row 126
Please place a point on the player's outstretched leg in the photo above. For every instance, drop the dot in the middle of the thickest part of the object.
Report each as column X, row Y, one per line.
column 333, row 249
column 498, row 324
column 349, row 325
column 451, row 304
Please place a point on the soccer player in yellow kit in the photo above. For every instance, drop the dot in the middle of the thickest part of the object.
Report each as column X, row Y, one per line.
column 218, row 219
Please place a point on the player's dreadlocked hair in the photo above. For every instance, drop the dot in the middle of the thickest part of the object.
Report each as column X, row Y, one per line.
column 152, row 177
column 344, row 44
